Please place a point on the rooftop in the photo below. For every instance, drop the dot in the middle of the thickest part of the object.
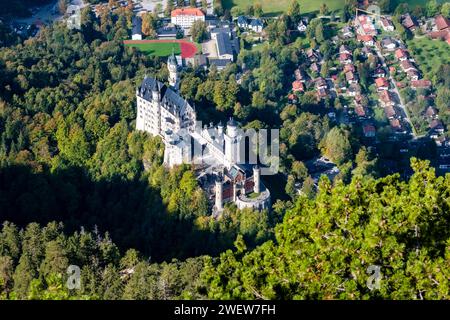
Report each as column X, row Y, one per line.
column 224, row 44
column 187, row 12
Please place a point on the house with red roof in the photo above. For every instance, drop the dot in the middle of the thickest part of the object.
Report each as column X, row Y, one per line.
column 408, row 22
column 367, row 40
column 386, row 99
column 360, row 110
column 442, row 23
column 185, row 17
column 390, row 113
column 421, row 84
column 396, row 125
column 298, row 86
column 351, row 77
column 413, row 74
column 345, row 58
column 382, row 84
column 401, row 54
column 406, row 66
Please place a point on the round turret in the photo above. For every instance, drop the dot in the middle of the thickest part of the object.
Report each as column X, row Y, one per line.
column 256, row 179
column 232, row 128
column 219, row 194
column 220, row 129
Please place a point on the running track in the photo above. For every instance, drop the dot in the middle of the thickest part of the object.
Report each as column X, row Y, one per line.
column 188, row 49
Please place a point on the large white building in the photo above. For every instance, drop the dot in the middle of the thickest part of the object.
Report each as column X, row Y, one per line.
column 214, row 151
column 185, row 17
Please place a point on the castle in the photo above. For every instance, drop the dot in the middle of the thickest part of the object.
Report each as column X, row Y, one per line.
column 213, row 151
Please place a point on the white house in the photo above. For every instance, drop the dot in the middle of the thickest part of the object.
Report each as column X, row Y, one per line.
column 137, row 29
column 257, row 25
column 242, row 22
column 386, row 24
column 185, row 17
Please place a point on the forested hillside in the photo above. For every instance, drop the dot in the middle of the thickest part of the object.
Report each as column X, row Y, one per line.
column 324, row 247
column 322, row 251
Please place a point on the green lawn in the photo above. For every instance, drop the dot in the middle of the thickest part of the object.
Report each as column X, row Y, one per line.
column 159, row 49
column 429, row 54
column 413, row 3
column 274, row 7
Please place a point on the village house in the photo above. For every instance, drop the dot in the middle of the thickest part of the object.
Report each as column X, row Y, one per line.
column 379, row 73
column 401, row 54
column 437, row 126
column 322, row 93
column 292, row 98
column 321, row 83
column 242, row 22
column 388, row 44
column 367, row 52
column 431, row 113
column 298, row 86
column 396, row 125
column 365, row 25
column 360, row 110
column 408, row 22
column 390, row 112
column 354, row 90
column 256, row 25
column 442, row 23
column 369, row 130
column 407, row 66
column 347, row 32
column 367, row 40
column 421, row 84
column 345, row 58
column 351, row 78
column 413, row 75
column 313, row 55
column 382, row 84
column 386, row 24
column 386, row 99
column 315, row 67
column 300, row 75
column 443, row 35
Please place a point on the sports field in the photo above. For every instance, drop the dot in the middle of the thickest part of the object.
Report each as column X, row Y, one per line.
column 164, row 48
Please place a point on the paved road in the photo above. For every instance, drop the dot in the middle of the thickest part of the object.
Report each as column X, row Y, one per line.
column 397, row 92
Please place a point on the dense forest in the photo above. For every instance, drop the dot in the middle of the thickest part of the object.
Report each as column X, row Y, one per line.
column 322, row 250
column 79, row 186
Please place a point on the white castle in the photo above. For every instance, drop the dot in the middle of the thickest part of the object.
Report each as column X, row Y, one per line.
column 214, row 152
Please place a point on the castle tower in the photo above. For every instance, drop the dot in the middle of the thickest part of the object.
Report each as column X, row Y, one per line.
column 231, row 142
column 219, row 194
column 256, row 179
column 172, row 65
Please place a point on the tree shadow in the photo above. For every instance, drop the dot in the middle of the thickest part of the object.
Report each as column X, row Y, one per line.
column 131, row 211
